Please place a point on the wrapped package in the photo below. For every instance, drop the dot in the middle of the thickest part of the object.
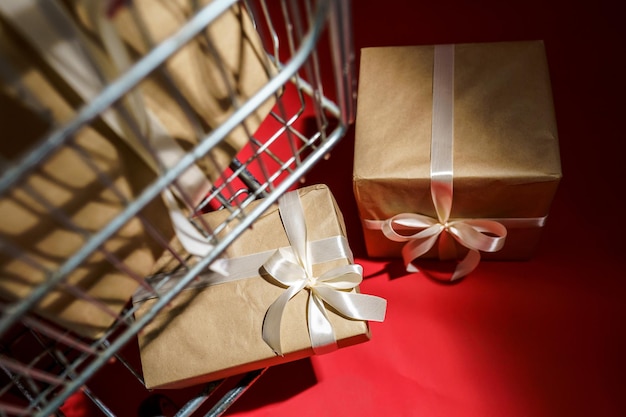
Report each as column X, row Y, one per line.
column 456, row 150
column 262, row 314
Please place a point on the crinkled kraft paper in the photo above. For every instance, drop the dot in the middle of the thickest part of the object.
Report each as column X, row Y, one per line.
column 506, row 151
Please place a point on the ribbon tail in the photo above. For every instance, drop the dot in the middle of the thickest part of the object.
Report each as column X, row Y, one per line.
column 273, row 318
column 321, row 330
column 354, row 305
column 467, row 265
column 190, row 238
column 416, row 248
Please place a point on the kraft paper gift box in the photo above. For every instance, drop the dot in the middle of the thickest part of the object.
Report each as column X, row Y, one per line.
column 493, row 130
column 209, row 332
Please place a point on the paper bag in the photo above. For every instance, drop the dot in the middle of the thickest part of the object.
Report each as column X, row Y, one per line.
column 215, row 73
column 74, row 192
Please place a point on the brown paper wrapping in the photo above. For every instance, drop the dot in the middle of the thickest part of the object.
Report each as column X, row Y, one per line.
column 201, row 78
column 506, row 152
column 214, row 332
column 66, row 183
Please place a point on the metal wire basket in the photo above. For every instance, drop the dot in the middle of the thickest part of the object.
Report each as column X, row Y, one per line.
column 307, row 42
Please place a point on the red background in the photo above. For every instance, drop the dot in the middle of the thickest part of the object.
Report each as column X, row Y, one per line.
column 538, row 338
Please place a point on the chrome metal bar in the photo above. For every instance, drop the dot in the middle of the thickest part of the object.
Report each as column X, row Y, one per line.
column 196, row 402
column 234, row 393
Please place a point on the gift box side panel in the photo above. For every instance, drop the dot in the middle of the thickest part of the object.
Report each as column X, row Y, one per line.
column 529, row 201
column 216, row 332
column 380, row 199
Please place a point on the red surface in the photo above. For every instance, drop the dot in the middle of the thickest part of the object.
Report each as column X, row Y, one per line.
column 539, row 338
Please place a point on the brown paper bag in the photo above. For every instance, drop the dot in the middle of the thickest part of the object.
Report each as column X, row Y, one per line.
column 212, row 332
column 48, row 216
column 506, row 152
column 194, row 71
column 210, row 81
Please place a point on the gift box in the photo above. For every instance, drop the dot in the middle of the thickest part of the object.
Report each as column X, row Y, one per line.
column 449, row 140
column 259, row 316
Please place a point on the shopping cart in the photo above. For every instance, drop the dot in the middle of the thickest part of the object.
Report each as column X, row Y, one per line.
column 308, row 43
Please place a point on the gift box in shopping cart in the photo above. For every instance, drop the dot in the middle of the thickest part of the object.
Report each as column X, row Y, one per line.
column 291, row 292
column 456, row 151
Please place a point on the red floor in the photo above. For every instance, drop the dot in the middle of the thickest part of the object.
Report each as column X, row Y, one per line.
column 539, row 338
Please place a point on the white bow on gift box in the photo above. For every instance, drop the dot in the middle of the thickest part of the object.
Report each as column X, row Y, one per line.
column 293, row 268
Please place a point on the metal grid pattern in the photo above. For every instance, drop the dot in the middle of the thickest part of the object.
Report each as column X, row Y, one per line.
column 42, row 363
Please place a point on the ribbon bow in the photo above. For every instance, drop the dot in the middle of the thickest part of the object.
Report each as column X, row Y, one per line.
column 475, row 234
column 293, row 269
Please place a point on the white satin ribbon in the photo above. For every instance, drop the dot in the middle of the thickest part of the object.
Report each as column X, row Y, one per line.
column 243, row 267
column 475, row 234
column 336, row 287
column 53, row 33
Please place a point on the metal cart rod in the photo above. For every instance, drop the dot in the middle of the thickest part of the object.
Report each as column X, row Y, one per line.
column 234, row 393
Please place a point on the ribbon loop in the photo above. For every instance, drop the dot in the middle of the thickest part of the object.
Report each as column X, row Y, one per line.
column 336, row 287
column 342, row 278
column 477, row 234
column 284, row 268
column 392, row 227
